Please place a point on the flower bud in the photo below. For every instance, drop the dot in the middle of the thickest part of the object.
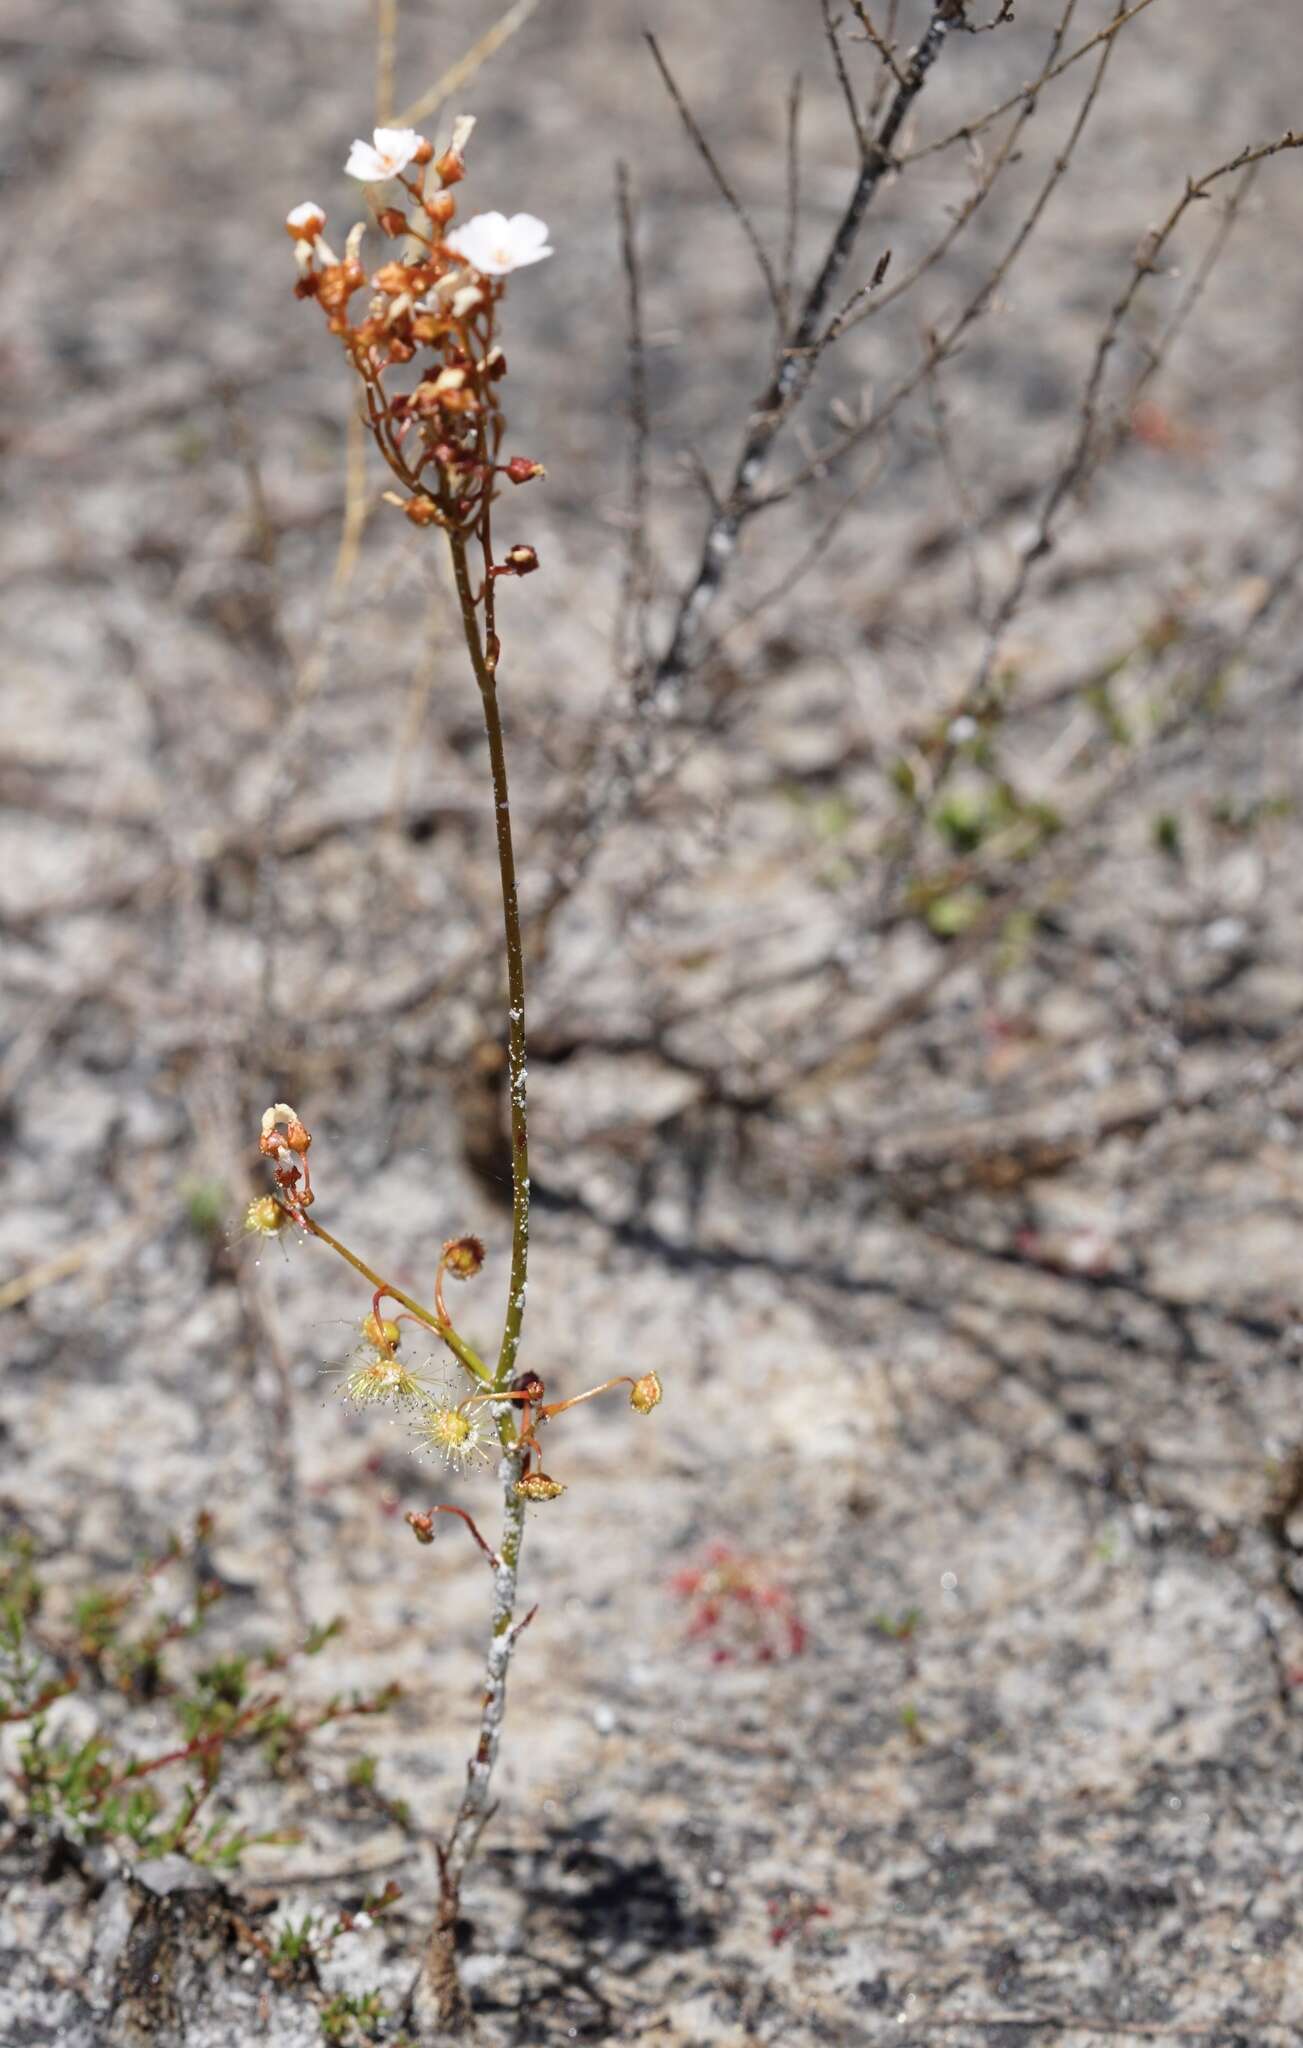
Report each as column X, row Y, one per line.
column 385, row 1336
column 421, row 1526
column 529, row 1384
column 537, row 1486
column 392, row 220
column 273, row 1141
column 522, row 560
column 463, row 1257
column 646, row 1394
column 304, row 223
column 441, row 207
column 522, row 470
column 451, row 166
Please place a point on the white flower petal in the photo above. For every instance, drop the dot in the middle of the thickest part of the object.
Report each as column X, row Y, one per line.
column 494, row 245
column 527, row 227
column 364, row 163
column 390, row 151
column 397, row 145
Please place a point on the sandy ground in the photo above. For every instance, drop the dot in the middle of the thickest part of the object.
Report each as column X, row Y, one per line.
column 979, row 1333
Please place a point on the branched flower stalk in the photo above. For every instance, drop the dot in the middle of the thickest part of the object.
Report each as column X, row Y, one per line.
column 428, row 324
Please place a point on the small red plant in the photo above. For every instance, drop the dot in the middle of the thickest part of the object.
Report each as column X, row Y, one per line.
column 740, row 1609
column 790, row 1915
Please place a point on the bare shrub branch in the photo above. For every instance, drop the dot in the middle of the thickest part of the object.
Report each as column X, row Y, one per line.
column 1074, row 469
column 886, row 50
column 632, row 644
column 843, row 77
column 793, row 375
column 717, row 172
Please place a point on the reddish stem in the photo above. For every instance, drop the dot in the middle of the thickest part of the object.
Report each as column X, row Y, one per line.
column 462, row 1516
column 198, row 1747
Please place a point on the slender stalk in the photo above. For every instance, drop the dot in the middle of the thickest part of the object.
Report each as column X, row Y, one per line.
column 445, row 453
column 438, row 1996
column 438, row 2000
column 438, row 2007
column 475, row 1809
column 484, row 662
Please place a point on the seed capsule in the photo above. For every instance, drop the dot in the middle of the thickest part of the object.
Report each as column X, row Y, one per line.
column 464, row 1256
column 537, row 1486
column 646, row 1394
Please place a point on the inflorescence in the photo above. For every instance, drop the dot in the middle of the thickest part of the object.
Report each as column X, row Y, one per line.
column 432, row 305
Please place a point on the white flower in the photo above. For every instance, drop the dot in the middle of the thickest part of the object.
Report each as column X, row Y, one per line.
column 308, row 219
column 493, row 245
column 393, row 150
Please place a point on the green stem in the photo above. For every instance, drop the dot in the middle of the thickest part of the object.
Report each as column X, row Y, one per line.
column 485, row 666
column 460, row 1349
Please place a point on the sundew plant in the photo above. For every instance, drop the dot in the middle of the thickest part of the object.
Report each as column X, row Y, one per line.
column 962, row 831
column 420, row 334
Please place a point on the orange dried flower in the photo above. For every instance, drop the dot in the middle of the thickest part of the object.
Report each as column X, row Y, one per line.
column 337, row 283
column 393, row 278
column 421, row 512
